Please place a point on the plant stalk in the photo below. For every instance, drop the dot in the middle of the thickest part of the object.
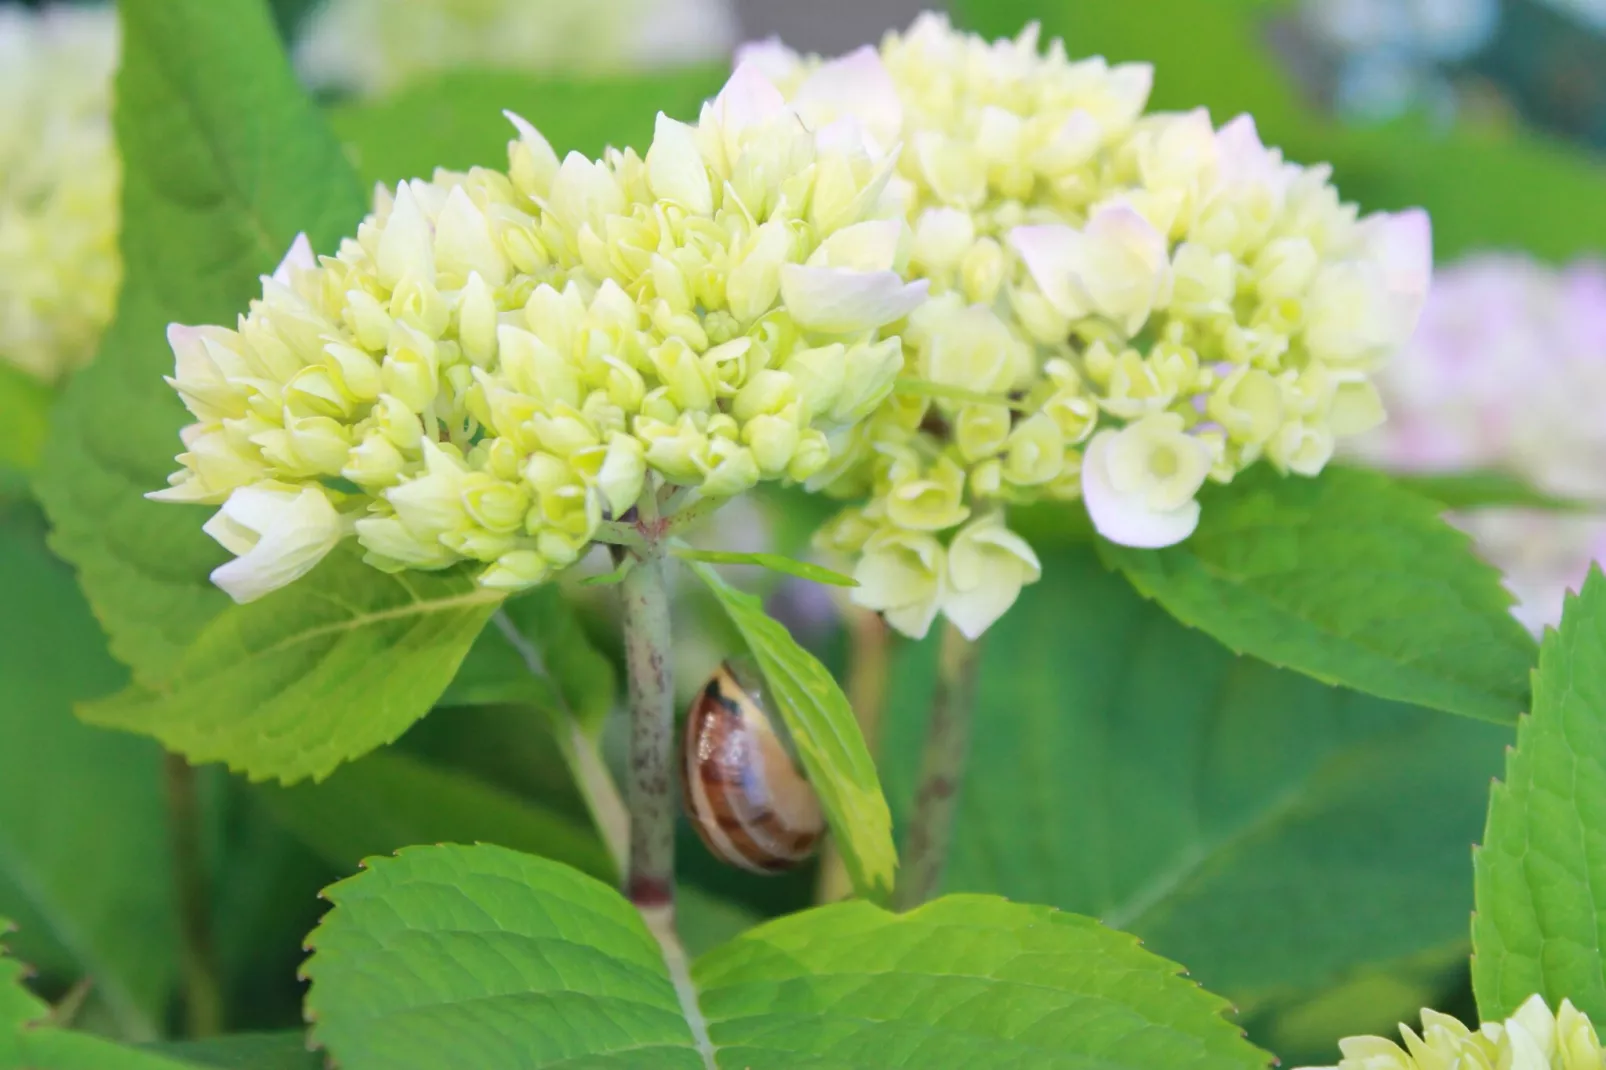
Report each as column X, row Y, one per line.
column 203, row 988
column 649, row 875
column 868, row 672
column 942, row 770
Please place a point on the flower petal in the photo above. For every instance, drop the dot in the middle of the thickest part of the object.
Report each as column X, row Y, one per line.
column 856, row 84
column 299, row 257
column 1054, row 255
column 295, row 534
column 1124, row 518
column 843, row 301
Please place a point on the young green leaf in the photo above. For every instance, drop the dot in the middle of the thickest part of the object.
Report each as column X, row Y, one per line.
column 314, row 675
column 827, row 735
column 1541, row 876
column 1279, row 836
column 478, row 956
column 774, row 562
column 224, row 161
column 83, row 826
column 1350, row 579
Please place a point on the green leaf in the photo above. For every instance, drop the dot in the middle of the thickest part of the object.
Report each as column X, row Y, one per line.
column 25, row 415
column 1485, row 189
column 456, row 121
column 1350, row 579
column 546, row 662
column 83, row 827
column 317, row 674
column 774, row 562
column 244, row 1051
column 1541, row 877
column 224, row 161
column 388, row 801
column 826, row 734
column 1276, row 835
column 923, row 388
column 483, row 957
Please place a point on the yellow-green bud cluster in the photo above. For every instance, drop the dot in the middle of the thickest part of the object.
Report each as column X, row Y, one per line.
column 59, row 184
column 1531, row 1039
column 498, row 362
column 1124, row 306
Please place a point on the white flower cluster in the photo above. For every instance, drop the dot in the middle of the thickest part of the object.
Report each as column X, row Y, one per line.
column 59, row 186
column 498, row 362
column 1124, row 305
column 1531, row 1039
column 372, row 47
column 1508, row 372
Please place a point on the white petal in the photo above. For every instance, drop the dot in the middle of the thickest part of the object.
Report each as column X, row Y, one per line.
column 842, row 301
column 976, row 610
column 675, row 167
column 299, row 256
column 869, row 246
column 405, row 244
column 770, row 56
column 746, row 99
column 1125, row 519
column 298, row 536
column 856, row 84
column 1054, row 255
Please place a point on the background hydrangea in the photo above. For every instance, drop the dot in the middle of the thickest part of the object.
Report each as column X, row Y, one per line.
column 498, row 362
column 59, row 185
column 374, row 46
column 1508, row 372
column 1123, row 307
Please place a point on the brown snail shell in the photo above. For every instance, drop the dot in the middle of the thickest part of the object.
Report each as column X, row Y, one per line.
column 746, row 798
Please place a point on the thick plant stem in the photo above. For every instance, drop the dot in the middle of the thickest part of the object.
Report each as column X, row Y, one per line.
column 649, row 876
column 869, row 667
column 942, row 770
column 591, row 777
column 203, row 990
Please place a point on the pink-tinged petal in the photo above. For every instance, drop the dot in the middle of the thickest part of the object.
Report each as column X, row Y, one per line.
column 856, row 84
column 747, row 98
column 1125, row 519
column 1403, row 245
column 1054, row 255
column 299, row 257
column 843, row 301
column 770, row 57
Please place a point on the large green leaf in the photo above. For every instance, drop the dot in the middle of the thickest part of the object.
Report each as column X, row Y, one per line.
column 456, row 121
column 224, row 161
column 1348, row 578
column 483, row 957
column 1485, row 189
column 1276, row 835
column 25, row 414
column 245, row 1051
column 323, row 672
column 827, row 735
column 1541, row 872
column 83, row 833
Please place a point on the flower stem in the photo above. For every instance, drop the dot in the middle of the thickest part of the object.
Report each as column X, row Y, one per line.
column 203, row 990
column 869, row 667
column 942, row 770
column 649, row 875
column 580, row 754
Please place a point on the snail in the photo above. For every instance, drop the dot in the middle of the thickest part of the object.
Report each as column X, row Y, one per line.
column 745, row 796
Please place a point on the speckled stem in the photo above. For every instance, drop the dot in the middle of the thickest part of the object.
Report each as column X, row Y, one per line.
column 942, row 771
column 650, row 875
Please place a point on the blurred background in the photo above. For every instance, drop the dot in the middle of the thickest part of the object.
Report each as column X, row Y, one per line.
column 1321, row 879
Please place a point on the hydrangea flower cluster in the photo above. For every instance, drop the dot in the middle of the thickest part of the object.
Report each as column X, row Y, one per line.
column 1123, row 306
column 1531, row 1039
column 59, row 186
column 496, row 363
column 372, row 47
column 1508, row 372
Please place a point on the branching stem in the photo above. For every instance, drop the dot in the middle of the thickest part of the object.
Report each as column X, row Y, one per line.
column 942, row 770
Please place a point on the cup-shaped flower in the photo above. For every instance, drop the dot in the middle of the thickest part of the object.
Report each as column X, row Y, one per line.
column 1139, row 482
column 903, row 575
column 987, row 566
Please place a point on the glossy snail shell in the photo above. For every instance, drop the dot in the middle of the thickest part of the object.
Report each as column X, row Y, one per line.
column 746, row 798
